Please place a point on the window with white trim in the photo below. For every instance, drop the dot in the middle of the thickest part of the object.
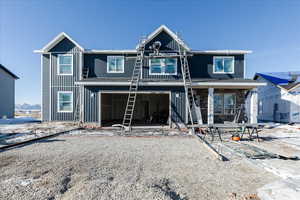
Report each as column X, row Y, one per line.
column 115, row 64
column 65, row 101
column 224, row 103
column 223, row 64
column 65, row 64
column 163, row 66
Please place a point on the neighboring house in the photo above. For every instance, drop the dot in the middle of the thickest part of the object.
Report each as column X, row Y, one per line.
column 95, row 83
column 279, row 100
column 7, row 93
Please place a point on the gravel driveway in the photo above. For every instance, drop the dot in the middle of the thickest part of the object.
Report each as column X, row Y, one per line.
column 101, row 167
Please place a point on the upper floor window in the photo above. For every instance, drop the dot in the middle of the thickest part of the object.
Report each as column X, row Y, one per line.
column 115, row 64
column 163, row 66
column 65, row 101
column 224, row 103
column 224, row 64
column 65, row 64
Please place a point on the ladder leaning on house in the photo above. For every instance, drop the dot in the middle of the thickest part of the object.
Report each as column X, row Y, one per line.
column 128, row 115
column 189, row 93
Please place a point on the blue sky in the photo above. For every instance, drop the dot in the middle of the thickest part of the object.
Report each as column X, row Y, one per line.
column 271, row 29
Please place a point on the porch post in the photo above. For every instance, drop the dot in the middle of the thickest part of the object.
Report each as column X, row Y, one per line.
column 253, row 106
column 210, row 106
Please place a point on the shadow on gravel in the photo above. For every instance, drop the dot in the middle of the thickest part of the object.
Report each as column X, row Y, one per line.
column 165, row 187
column 33, row 142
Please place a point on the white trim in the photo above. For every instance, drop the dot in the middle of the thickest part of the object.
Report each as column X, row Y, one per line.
column 163, row 73
column 244, row 66
column 195, row 84
column 171, row 33
column 170, row 109
column 42, row 87
column 125, row 51
column 80, row 65
column 65, row 92
column 50, row 87
column 226, row 52
column 138, row 92
column 133, row 51
column 83, row 104
column 292, row 88
column 58, row 65
column 55, row 41
column 100, row 108
column 114, row 72
column 222, row 57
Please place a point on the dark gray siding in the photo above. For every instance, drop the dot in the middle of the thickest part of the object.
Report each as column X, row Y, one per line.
column 7, row 91
column 61, row 82
column 97, row 64
column 167, row 42
column 45, row 87
column 64, row 46
column 169, row 45
column 201, row 66
column 92, row 102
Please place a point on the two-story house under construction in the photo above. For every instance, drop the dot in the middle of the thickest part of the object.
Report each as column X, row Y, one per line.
column 92, row 85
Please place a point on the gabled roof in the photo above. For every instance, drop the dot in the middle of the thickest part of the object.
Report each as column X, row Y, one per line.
column 63, row 35
column 9, row 72
column 282, row 79
column 167, row 30
column 56, row 40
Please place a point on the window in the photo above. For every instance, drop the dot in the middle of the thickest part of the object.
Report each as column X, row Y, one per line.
column 229, row 104
column 218, row 103
column 224, row 104
column 223, row 65
column 163, row 66
column 65, row 64
column 65, row 101
column 115, row 64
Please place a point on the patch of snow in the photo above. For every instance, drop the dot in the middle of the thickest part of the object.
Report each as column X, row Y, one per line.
column 21, row 120
column 287, row 189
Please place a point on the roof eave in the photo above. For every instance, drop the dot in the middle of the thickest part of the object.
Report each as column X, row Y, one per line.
column 171, row 33
column 55, row 41
column 222, row 52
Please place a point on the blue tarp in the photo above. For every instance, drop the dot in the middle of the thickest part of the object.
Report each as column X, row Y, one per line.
column 280, row 78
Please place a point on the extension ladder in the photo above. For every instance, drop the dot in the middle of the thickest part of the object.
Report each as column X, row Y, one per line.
column 187, row 81
column 128, row 115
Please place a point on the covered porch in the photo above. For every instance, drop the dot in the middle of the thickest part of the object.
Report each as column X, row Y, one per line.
column 227, row 101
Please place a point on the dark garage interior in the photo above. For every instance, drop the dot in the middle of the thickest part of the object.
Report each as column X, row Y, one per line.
column 150, row 109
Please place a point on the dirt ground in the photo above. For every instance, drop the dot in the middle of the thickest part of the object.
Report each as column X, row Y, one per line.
column 118, row 167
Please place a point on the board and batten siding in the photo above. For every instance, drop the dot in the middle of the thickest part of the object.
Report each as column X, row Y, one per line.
column 92, row 101
column 97, row 65
column 201, row 66
column 7, row 91
column 45, row 87
column 58, row 83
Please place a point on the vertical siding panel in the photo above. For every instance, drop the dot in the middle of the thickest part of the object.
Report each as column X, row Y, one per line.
column 45, row 87
column 64, row 83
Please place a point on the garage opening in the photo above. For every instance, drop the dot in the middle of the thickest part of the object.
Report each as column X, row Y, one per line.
column 150, row 109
